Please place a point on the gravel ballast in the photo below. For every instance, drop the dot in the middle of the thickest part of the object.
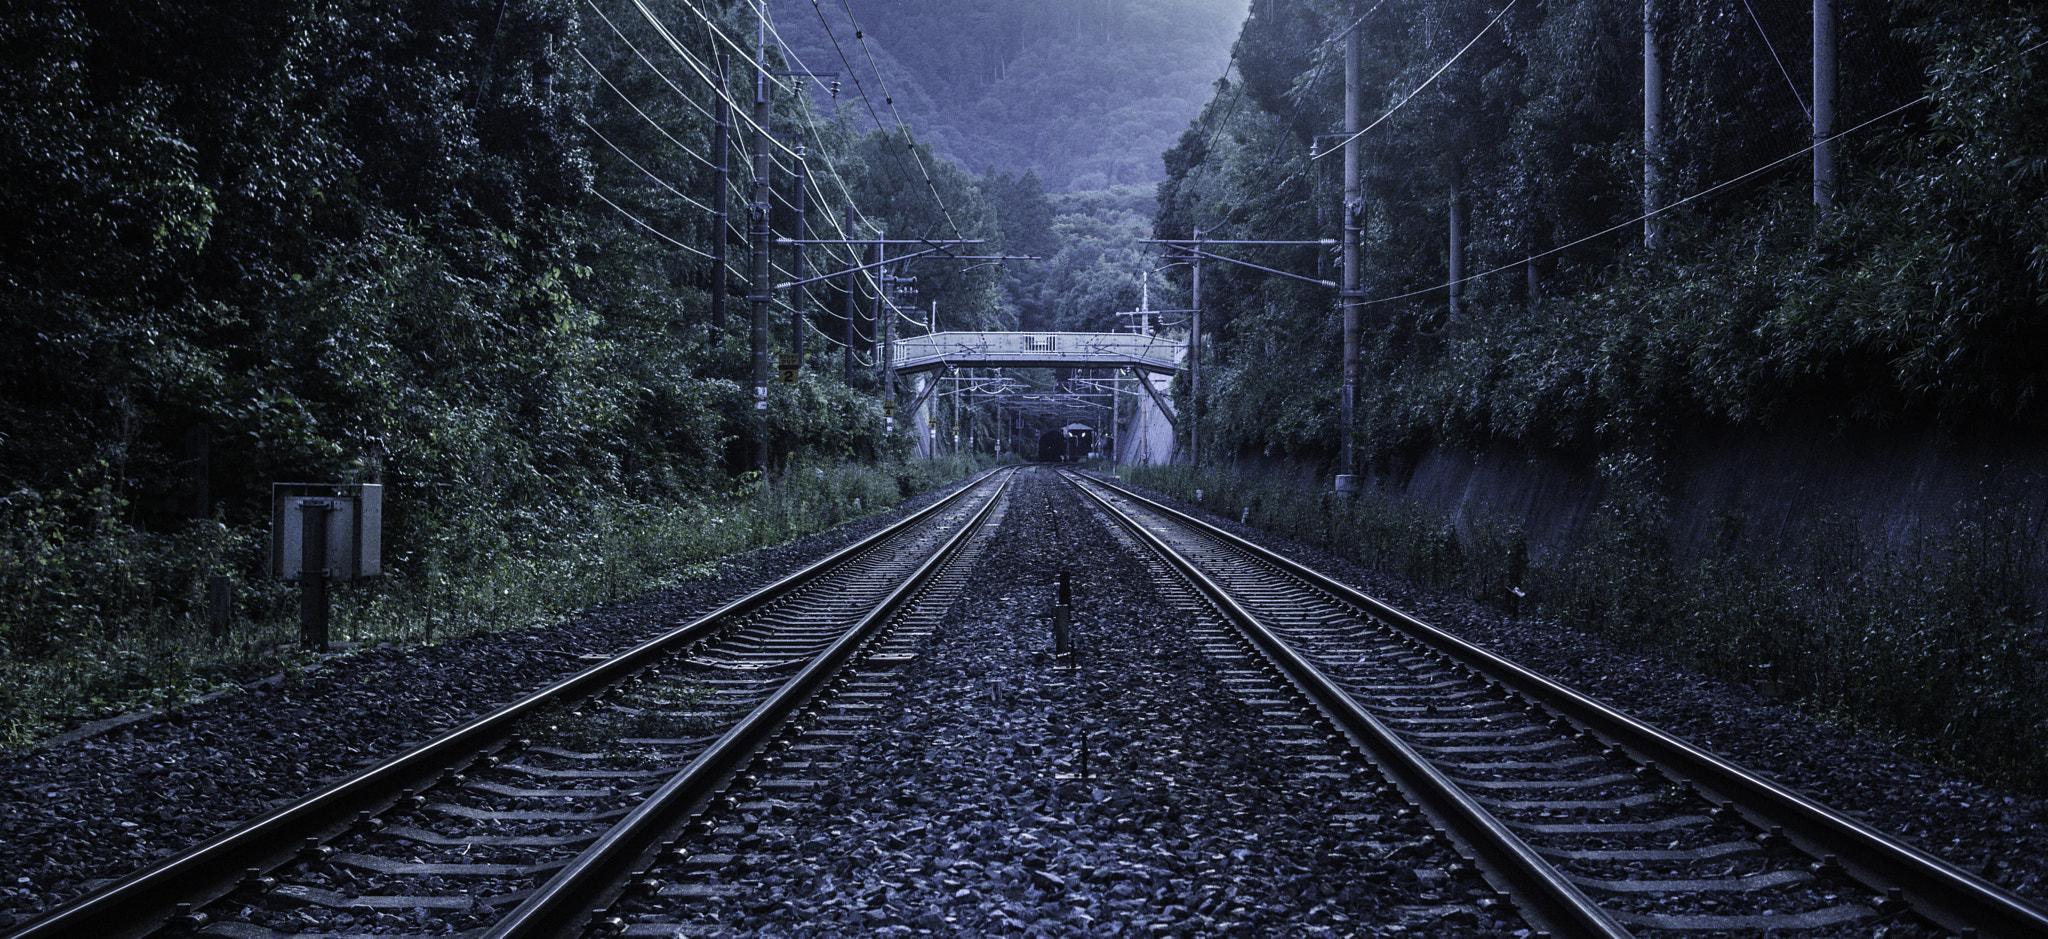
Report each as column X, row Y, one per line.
column 1131, row 794
column 1187, row 821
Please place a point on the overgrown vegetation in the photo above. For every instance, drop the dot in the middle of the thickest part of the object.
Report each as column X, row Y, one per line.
column 114, row 618
column 460, row 248
column 1914, row 298
column 1934, row 647
column 1540, row 281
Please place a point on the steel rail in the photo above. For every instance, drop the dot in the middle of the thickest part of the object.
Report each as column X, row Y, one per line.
column 588, row 883
column 146, row 900
column 1950, row 897
column 1544, row 896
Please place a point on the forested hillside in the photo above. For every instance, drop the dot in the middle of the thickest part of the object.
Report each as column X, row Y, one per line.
column 1566, row 320
column 1085, row 94
column 462, row 248
column 1560, row 293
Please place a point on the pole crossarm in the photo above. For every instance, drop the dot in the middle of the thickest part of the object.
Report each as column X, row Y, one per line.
column 864, row 267
column 1193, row 247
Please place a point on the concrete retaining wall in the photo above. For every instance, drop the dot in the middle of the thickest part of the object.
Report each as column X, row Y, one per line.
column 1892, row 490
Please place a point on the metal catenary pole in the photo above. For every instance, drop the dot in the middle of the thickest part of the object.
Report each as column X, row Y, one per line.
column 1354, row 201
column 760, row 296
column 721, row 209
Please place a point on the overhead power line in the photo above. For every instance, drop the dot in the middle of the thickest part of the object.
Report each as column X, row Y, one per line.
column 1638, row 220
column 1418, row 89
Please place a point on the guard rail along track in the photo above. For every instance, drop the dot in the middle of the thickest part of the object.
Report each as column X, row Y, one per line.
column 1592, row 822
column 509, row 826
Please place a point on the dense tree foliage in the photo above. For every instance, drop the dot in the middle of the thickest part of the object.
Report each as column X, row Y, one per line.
column 1584, row 337
column 464, row 248
column 1918, row 293
column 1082, row 93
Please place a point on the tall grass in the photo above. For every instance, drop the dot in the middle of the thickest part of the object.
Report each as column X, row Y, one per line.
column 1933, row 647
column 104, row 618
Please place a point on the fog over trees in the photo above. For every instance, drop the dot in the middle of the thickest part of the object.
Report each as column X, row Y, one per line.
column 1086, row 94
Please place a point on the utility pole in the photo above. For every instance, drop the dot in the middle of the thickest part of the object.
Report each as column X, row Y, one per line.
column 885, row 318
column 1456, row 311
column 1653, row 125
column 1194, row 257
column 1195, row 359
column 852, row 305
column 1824, row 70
column 760, row 295
column 1349, row 293
column 721, row 147
column 796, row 262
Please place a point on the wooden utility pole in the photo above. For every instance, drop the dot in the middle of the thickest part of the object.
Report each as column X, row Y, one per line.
column 1824, row 69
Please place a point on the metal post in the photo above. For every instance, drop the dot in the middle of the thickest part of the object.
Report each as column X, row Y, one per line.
column 796, row 262
column 1824, row 57
column 885, row 314
column 1062, row 619
column 313, row 573
column 759, row 296
column 721, row 214
column 1653, row 124
column 852, row 304
column 1456, row 310
column 1195, row 359
column 1348, row 295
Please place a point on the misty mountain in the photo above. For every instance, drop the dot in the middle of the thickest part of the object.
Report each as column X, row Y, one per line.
column 1085, row 93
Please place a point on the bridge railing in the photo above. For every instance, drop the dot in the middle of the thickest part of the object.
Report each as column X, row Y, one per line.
column 1044, row 349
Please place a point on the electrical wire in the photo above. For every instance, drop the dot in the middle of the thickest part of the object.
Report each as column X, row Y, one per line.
column 1782, row 70
column 703, row 71
column 658, row 73
column 865, row 100
column 744, row 114
column 650, row 173
column 890, row 100
column 1431, row 80
column 651, row 229
column 1710, row 190
column 643, row 114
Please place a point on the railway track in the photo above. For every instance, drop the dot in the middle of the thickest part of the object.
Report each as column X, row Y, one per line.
column 525, row 821
column 1590, row 822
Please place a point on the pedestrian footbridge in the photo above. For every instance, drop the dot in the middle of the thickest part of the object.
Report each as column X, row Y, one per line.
column 1144, row 425
column 939, row 351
